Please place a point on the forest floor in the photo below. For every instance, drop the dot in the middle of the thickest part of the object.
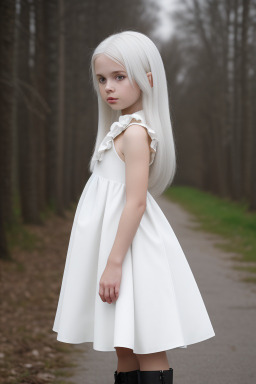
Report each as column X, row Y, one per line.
column 30, row 285
column 30, row 288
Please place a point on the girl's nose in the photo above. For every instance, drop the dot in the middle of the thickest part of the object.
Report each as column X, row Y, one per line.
column 109, row 86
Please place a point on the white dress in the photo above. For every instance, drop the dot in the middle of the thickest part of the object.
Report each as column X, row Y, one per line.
column 159, row 305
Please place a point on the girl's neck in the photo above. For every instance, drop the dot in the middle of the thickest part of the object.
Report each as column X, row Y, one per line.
column 131, row 111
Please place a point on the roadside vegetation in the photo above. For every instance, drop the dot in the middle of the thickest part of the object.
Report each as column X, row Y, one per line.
column 227, row 218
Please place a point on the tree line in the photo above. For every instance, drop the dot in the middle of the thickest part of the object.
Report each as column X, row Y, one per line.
column 212, row 73
column 49, row 109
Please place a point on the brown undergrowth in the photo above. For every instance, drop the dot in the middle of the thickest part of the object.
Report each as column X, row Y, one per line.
column 30, row 287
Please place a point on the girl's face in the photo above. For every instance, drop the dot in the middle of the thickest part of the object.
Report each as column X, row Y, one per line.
column 114, row 83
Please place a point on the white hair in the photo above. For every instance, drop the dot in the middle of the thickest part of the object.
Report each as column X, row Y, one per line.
column 139, row 55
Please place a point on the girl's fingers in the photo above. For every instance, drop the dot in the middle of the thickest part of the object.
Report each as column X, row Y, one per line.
column 101, row 293
column 109, row 294
column 112, row 294
column 106, row 295
column 116, row 292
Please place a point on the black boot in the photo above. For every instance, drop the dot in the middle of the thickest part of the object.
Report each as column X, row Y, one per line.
column 157, row 377
column 131, row 377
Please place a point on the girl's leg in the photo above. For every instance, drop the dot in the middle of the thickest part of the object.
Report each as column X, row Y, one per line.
column 153, row 361
column 127, row 360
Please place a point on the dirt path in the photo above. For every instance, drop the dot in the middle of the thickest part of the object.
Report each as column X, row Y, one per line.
column 230, row 356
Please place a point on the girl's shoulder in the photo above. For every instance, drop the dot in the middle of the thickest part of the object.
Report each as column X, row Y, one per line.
column 121, row 125
column 137, row 118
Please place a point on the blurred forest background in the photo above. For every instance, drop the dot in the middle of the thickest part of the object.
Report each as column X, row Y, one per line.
column 49, row 109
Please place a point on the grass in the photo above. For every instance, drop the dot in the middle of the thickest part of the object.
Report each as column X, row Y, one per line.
column 19, row 234
column 227, row 218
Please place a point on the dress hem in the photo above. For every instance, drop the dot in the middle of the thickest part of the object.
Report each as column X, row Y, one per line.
column 112, row 349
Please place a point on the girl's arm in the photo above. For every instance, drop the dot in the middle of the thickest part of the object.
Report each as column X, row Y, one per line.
column 137, row 156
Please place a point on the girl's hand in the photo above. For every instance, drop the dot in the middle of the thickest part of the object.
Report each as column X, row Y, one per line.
column 110, row 282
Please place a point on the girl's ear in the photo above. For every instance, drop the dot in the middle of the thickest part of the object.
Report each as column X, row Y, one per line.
column 150, row 78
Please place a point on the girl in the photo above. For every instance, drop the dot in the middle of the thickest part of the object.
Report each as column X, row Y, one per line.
column 127, row 286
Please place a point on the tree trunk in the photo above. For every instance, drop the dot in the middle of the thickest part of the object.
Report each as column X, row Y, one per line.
column 27, row 159
column 61, row 110
column 7, row 25
column 245, row 119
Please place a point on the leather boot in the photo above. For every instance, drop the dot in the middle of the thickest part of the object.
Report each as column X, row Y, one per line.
column 157, row 377
column 131, row 377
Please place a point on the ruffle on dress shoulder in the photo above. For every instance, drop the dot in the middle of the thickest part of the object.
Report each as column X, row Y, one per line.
column 119, row 126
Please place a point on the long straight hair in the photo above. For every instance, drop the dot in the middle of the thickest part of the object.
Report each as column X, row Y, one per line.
column 139, row 55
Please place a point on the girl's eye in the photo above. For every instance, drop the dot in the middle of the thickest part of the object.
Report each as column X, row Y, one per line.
column 116, row 76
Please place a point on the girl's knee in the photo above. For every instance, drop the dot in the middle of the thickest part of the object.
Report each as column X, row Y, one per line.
column 151, row 356
column 123, row 352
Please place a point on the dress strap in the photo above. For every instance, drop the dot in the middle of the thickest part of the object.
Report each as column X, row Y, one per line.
column 119, row 126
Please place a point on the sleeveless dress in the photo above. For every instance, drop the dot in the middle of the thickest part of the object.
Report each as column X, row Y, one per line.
column 159, row 305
